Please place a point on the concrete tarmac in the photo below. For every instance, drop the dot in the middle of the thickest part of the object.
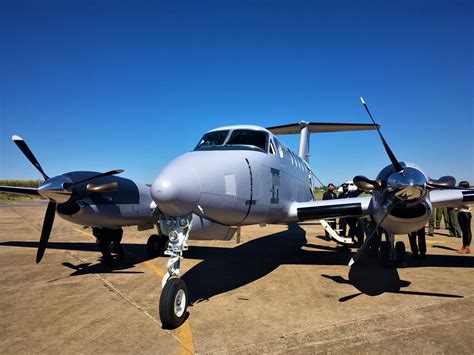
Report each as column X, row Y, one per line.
column 281, row 290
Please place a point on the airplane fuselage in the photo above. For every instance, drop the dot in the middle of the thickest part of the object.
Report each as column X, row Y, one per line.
column 235, row 184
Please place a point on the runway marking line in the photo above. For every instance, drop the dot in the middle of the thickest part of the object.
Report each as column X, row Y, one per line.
column 184, row 332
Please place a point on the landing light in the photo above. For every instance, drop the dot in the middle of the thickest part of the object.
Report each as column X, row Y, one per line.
column 173, row 236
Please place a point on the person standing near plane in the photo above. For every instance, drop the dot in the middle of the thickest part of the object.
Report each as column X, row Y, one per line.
column 342, row 221
column 431, row 225
column 454, row 228
column 442, row 213
column 418, row 250
column 330, row 195
column 356, row 225
column 105, row 238
column 464, row 217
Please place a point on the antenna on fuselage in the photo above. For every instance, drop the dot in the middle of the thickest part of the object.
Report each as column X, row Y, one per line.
column 304, row 129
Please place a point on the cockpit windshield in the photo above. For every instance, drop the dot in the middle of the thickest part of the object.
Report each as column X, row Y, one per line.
column 237, row 139
column 212, row 139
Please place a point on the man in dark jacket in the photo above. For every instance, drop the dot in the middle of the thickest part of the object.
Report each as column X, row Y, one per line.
column 342, row 221
column 330, row 195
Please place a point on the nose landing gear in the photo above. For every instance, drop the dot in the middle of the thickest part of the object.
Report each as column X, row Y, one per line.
column 393, row 257
column 174, row 295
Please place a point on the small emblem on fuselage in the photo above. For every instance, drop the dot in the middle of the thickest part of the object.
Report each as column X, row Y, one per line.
column 275, row 190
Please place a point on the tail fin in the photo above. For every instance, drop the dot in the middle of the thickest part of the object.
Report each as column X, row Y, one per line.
column 305, row 128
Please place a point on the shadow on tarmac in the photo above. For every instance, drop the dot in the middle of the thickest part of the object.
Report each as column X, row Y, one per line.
column 225, row 269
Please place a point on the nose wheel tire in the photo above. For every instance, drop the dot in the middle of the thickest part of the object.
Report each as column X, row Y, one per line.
column 173, row 303
column 401, row 258
column 156, row 245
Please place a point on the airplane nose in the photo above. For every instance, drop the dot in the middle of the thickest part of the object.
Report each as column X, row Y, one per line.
column 176, row 190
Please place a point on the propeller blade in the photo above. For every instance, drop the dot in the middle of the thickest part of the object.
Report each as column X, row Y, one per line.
column 445, row 183
column 19, row 190
column 372, row 235
column 46, row 231
column 365, row 183
column 29, row 154
column 108, row 173
column 390, row 154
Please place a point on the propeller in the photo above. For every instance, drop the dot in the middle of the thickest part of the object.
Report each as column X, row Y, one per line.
column 51, row 189
column 390, row 154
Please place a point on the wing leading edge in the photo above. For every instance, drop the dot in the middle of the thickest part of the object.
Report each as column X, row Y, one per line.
column 344, row 207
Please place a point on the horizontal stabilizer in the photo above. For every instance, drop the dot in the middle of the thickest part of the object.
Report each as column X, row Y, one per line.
column 19, row 190
column 319, row 127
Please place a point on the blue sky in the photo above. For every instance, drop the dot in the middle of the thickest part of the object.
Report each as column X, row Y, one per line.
column 99, row 85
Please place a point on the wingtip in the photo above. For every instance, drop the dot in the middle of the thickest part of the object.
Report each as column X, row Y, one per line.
column 16, row 138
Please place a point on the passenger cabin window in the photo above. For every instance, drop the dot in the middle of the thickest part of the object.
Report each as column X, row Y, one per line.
column 212, row 139
column 234, row 139
column 290, row 155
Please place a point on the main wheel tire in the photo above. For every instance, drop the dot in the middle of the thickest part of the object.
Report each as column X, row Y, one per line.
column 384, row 254
column 401, row 254
column 173, row 303
column 156, row 245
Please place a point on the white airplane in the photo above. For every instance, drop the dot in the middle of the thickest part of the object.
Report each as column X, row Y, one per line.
column 243, row 175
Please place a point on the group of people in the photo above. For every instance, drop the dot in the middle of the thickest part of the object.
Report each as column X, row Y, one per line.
column 456, row 219
column 356, row 225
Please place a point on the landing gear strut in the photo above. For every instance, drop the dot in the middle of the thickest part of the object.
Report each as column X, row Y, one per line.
column 174, row 295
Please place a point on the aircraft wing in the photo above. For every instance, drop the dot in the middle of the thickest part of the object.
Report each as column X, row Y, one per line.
column 451, row 197
column 344, row 207
column 319, row 127
column 19, row 190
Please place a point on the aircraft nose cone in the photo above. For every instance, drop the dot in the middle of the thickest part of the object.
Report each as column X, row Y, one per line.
column 176, row 190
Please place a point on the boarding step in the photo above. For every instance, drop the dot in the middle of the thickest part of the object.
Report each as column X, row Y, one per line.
column 334, row 233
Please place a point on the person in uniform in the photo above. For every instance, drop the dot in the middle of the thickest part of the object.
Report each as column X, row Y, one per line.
column 464, row 217
column 418, row 250
column 330, row 195
column 356, row 229
column 442, row 212
column 431, row 225
column 342, row 221
column 454, row 228
column 105, row 238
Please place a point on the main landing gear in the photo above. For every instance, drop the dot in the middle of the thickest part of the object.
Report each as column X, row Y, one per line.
column 174, row 295
column 393, row 257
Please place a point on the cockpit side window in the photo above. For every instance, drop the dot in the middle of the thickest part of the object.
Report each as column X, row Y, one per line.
column 279, row 148
column 271, row 149
column 212, row 139
column 248, row 137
